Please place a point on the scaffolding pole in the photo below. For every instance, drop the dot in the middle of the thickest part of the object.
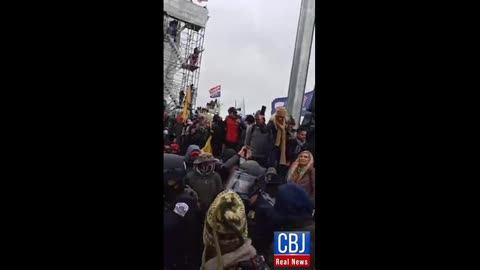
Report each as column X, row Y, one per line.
column 301, row 59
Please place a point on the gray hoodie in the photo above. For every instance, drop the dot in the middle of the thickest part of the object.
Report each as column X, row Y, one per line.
column 188, row 159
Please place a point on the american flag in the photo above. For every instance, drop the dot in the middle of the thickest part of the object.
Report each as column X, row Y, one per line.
column 304, row 100
column 215, row 91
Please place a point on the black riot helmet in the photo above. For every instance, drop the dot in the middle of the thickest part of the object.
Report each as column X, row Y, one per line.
column 243, row 180
column 174, row 171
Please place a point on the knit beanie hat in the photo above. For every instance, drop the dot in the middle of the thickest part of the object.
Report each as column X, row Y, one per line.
column 281, row 111
column 225, row 227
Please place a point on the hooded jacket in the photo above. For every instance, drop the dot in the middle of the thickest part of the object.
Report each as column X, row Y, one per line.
column 188, row 159
column 183, row 243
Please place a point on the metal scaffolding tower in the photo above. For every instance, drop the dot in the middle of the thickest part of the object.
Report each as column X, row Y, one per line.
column 180, row 71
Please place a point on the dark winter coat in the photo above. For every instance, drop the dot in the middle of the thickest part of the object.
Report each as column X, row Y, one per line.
column 219, row 132
column 183, row 243
column 198, row 136
column 294, row 148
column 260, row 224
column 260, row 140
column 207, row 187
column 218, row 137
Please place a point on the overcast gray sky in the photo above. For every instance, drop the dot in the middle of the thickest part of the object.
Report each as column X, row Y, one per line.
column 249, row 51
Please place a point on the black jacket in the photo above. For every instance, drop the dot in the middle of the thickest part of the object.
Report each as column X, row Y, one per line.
column 293, row 151
column 218, row 136
column 183, row 244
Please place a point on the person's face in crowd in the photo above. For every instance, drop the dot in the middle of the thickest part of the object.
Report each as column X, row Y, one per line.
column 260, row 120
column 303, row 159
column 302, row 136
column 280, row 119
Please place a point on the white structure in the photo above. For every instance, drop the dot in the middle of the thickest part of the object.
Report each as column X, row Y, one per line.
column 179, row 72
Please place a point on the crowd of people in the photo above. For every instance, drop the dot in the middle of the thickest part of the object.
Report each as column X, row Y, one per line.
column 223, row 205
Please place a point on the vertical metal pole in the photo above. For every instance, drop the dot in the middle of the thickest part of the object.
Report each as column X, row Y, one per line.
column 301, row 58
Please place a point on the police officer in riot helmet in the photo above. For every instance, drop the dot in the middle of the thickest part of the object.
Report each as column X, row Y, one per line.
column 261, row 207
column 243, row 179
column 174, row 172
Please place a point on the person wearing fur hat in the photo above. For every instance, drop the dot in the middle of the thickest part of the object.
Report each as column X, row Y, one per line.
column 204, row 180
column 293, row 211
column 278, row 129
column 225, row 235
column 302, row 173
column 183, row 224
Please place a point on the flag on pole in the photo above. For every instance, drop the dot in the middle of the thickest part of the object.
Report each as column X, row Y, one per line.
column 188, row 101
column 215, row 91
